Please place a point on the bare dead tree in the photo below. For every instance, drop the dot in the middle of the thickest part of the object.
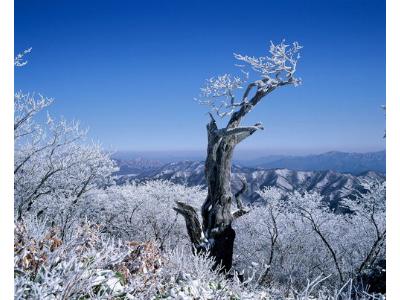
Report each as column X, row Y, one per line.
column 215, row 233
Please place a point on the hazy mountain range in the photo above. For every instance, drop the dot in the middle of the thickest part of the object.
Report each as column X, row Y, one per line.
column 137, row 166
column 331, row 184
column 344, row 162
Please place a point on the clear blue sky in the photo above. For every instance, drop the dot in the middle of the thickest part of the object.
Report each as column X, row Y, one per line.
column 130, row 69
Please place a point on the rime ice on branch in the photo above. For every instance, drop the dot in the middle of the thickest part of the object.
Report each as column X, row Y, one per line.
column 19, row 59
column 278, row 69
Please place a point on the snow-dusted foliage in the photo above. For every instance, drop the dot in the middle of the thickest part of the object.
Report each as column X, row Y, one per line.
column 142, row 211
column 92, row 266
column 19, row 59
column 294, row 237
column 52, row 161
column 276, row 69
column 277, row 246
column 48, row 268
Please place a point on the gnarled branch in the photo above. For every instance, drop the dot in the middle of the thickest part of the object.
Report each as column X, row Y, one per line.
column 193, row 224
column 247, row 130
column 242, row 210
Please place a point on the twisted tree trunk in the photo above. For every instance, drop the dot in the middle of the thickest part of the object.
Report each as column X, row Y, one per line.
column 214, row 234
column 216, row 210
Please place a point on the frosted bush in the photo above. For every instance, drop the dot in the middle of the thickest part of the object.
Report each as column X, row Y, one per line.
column 94, row 260
column 143, row 211
column 92, row 266
column 49, row 268
column 296, row 236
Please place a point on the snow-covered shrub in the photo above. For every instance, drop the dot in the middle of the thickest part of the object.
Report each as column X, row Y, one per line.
column 143, row 211
column 48, row 268
column 280, row 244
column 92, row 266
column 288, row 241
column 52, row 160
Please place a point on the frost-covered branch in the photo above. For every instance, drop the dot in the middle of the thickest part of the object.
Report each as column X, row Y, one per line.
column 19, row 59
column 311, row 208
column 26, row 106
column 219, row 94
column 277, row 69
column 371, row 209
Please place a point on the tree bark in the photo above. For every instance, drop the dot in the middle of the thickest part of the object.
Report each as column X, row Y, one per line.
column 215, row 235
column 216, row 210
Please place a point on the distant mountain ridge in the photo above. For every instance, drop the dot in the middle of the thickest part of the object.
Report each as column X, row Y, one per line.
column 344, row 162
column 333, row 186
column 136, row 166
